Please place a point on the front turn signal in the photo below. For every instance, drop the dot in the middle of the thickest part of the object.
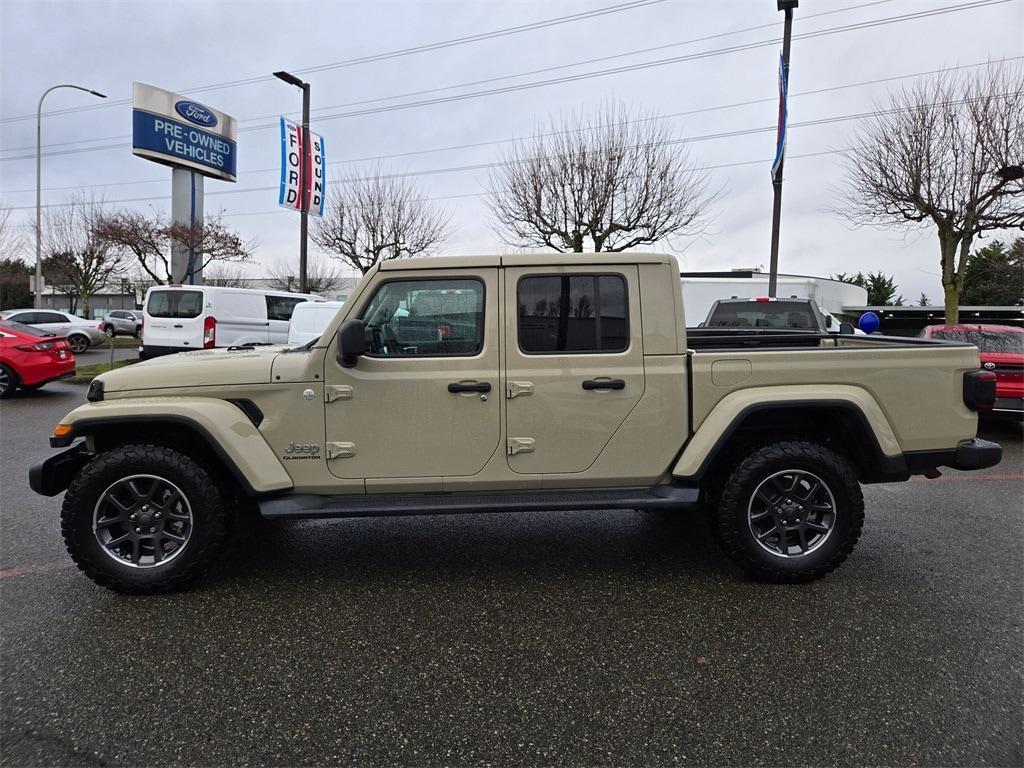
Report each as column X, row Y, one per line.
column 62, row 430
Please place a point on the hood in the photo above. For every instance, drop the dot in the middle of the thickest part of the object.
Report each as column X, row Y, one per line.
column 202, row 368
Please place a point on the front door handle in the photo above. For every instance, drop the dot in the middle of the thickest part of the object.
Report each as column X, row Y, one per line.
column 604, row 384
column 476, row 386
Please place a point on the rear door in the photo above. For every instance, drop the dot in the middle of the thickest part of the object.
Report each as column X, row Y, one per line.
column 574, row 358
column 174, row 318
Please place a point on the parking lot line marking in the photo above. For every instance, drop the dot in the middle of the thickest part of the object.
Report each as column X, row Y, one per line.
column 31, row 568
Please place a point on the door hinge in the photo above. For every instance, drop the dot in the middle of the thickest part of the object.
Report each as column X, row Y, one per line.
column 340, row 450
column 334, row 392
column 520, row 445
column 517, row 388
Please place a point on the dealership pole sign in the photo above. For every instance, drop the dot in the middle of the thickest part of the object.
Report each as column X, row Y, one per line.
column 171, row 129
column 293, row 175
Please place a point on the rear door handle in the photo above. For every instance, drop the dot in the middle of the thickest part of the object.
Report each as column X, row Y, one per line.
column 476, row 386
column 604, row 384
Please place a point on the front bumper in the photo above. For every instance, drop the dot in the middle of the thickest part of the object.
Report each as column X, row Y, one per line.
column 1008, row 404
column 56, row 473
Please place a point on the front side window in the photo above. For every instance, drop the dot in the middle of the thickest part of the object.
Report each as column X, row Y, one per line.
column 281, row 307
column 425, row 318
column 573, row 314
column 175, row 304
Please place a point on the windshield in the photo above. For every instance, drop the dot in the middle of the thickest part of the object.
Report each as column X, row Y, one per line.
column 28, row 330
column 763, row 314
column 985, row 341
column 179, row 304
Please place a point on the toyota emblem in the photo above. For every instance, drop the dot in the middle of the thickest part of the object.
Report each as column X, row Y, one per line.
column 989, row 366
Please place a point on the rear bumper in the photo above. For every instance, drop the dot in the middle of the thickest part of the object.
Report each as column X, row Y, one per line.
column 1008, row 404
column 43, row 373
column 147, row 351
column 978, row 454
column 973, row 454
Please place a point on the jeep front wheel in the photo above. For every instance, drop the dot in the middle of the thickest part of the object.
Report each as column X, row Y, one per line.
column 790, row 512
column 143, row 519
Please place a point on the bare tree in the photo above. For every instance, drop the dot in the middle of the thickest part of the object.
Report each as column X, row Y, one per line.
column 78, row 259
column 378, row 217
column 615, row 179
column 225, row 276
column 323, row 276
column 945, row 153
column 11, row 241
column 149, row 238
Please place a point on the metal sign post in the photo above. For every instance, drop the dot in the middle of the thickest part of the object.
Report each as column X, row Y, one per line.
column 780, row 143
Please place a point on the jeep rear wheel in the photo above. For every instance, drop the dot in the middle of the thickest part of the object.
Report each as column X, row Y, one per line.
column 143, row 519
column 790, row 512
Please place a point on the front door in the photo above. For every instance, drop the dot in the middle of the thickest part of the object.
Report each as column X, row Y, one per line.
column 424, row 402
column 575, row 365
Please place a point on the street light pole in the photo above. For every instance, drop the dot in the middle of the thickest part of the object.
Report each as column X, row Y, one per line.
column 304, row 177
column 39, row 186
column 773, row 271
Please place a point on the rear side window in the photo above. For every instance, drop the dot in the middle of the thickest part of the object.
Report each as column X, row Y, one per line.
column 763, row 314
column 573, row 314
column 49, row 317
column 281, row 307
column 177, row 304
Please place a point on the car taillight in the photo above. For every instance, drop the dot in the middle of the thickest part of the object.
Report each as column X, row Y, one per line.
column 980, row 390
column 40, row 346
column 209, row 332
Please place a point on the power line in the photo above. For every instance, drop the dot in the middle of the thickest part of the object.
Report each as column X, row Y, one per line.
column 586, row 76
column 542, row 24
column 488, row 80
column 492, row 142
column 483, row 166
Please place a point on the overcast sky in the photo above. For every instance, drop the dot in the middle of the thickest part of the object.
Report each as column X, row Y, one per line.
column 184, row 46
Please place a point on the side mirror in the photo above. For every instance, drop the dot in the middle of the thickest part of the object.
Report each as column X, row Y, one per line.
column 351, row 342
column 846, row 329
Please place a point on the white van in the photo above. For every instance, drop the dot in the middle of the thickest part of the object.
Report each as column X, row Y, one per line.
column 180, row 318
column 309, row 320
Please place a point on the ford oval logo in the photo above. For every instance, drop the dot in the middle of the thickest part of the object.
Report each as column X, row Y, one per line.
column 196, row 113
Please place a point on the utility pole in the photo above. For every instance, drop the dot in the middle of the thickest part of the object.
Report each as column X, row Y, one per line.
column 305, row 174
column 780, row 150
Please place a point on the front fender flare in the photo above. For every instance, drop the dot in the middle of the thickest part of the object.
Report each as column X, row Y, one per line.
column 225, row 428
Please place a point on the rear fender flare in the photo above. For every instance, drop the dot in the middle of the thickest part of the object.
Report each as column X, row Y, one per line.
column 714, row 433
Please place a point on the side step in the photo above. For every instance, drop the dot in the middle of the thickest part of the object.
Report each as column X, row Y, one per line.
column 305, row 506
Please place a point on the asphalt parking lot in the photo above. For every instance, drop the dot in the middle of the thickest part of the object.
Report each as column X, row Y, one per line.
column 562, row 638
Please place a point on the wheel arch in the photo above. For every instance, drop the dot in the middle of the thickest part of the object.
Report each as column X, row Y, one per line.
column 855, row 428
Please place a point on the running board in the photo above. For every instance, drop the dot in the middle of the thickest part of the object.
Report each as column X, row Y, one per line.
column 300, row 506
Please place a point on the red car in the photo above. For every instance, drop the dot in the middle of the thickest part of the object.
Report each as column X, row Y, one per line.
column 1001, row 348
column 30, row 357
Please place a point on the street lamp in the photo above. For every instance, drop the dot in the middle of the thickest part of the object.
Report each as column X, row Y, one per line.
column 39, row 185
column 304, row 175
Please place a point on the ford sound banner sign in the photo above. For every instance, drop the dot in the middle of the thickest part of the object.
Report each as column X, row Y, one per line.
column 292, row 173
column 179, row 132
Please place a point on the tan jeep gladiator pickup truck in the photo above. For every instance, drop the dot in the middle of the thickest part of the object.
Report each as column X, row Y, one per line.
column 525, row 382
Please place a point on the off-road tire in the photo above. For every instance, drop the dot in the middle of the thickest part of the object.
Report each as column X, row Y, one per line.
column 8, row 381
column 209, row 535
column 78, row 342
column 733, row 529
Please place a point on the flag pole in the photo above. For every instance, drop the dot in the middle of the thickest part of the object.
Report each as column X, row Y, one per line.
column 780, row 144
